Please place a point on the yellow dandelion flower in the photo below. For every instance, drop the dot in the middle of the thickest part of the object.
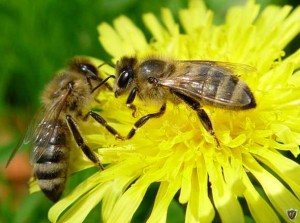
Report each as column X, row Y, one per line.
column 175, row 150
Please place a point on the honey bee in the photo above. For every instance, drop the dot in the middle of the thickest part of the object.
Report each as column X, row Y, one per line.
column 194, row 82
column 63, row 101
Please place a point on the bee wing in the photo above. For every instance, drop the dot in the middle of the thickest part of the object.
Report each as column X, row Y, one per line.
column 236, row 69
column 28, row 138
column 201, row 80
column 36, row 131
column 32, row 128
column 43, row 131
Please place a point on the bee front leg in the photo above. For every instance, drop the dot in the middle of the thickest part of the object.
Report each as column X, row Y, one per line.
column 130, row 100
column 98, row 118
column 142, row 121
column 139, row 123
column 80, row 142
column 202, row 115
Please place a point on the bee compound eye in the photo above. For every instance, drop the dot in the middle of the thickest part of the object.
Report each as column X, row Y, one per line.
column 124, row 79
column 88, row 68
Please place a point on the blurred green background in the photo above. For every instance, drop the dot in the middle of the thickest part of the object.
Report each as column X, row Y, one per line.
column 36, row 39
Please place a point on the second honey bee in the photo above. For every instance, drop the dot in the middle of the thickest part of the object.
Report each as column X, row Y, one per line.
column 64, row 100
column 194, row 82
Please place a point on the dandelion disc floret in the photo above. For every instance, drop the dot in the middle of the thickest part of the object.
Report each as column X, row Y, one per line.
column 175, row 150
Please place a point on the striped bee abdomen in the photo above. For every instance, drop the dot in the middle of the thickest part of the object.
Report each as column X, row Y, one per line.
column 51, row 168
column 226, row 91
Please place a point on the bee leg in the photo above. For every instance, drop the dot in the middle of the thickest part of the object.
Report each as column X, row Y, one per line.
column 80, row 142
column 207, row 123
column 130, row 100
column 103, row 122
column 139, row 123
column 202, row 115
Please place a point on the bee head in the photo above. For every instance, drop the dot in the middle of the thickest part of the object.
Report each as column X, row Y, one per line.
column 89, row 70
column 85, row 67
column 124, row 75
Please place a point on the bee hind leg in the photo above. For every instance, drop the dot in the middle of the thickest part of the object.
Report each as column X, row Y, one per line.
column 80, row 142
column 202, row 115
column 204, row 119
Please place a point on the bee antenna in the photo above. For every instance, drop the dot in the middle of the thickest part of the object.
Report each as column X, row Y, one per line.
column 103, row 82
column 101, row 65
